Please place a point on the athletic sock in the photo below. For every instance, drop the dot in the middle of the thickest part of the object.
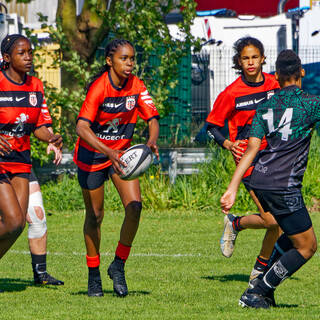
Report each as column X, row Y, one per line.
column 122, row 252
column 261, row 264
column 39, row 263
column 282, row 245
column 288, row 264
column 236, row 224
column 93, row 262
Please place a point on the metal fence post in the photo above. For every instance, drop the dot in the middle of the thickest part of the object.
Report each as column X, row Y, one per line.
column 172, row 166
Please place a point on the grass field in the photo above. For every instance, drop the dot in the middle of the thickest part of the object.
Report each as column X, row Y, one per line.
column 176, row 271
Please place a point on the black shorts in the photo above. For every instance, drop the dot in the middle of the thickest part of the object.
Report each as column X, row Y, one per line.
column 32, row 177
column 6, row 177
column 288, row 209
column 294, row 223
column 280, row 201
column 95, row 179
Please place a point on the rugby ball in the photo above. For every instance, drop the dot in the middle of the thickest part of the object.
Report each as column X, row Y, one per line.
column 138, row 159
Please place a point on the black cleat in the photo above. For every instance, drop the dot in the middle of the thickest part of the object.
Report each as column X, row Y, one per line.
column 254, row 300
column 116, row 273
column 95, row 286
column 44, row 278
column 254, row 283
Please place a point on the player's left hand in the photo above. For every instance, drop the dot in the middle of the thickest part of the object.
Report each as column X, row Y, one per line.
column 57, row 153
column 56, row 140
column 154, row 148
column 227, row 201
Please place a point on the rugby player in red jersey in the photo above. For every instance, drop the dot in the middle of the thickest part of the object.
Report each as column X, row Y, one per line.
column 105, row 127
column 237, row 105
column 21, row 113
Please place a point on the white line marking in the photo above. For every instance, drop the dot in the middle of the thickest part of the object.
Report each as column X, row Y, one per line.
column 176, row 255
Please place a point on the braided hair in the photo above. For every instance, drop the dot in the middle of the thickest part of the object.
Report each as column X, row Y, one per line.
column 288, row 65
column 7, row 46
column 240, row 44
column 109, row 51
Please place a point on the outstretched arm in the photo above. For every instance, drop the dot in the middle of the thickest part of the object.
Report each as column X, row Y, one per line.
column 228, row 199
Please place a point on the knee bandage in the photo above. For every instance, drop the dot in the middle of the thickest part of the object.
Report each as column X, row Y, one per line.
column 38, row 223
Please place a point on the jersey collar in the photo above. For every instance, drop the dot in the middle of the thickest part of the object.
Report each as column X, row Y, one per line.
column 114, row 86
column 16, row 83
column 253, row 84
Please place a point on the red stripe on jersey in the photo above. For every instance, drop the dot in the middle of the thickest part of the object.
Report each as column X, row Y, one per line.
column 112, row 113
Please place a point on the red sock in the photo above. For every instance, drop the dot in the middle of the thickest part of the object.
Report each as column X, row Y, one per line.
column 93, row 262
column 123, row 251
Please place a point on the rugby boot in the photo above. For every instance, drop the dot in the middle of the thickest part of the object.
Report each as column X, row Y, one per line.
column 116, row 273
column 95, row 285
column 45, row 278
column 254, row 300
column 229, row 236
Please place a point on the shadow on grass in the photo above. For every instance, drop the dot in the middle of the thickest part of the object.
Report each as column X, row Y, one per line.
column 228, row 277
column 110, row 292
column 13, row 285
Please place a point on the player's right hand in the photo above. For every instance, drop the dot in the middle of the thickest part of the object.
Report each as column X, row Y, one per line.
column 5, row 146
column 114, row 157
column 227, row 201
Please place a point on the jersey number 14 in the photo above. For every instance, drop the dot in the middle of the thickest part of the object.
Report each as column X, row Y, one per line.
column 284, row 124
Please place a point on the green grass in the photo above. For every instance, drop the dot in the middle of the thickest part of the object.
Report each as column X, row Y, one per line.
column 176, row 271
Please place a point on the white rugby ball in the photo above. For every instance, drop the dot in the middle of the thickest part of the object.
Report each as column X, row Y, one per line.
column 138, row 159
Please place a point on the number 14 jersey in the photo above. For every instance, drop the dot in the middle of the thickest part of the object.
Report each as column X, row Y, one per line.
column 287, row 120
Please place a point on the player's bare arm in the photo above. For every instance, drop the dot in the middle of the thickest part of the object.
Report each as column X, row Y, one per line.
column 44, row 134
column 228, row 199
column 153, row 136
column 5, row 146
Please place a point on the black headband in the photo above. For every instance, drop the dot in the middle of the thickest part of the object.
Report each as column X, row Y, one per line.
column 8, row 42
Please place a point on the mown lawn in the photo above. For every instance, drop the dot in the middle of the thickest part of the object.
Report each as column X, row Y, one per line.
column 176, row 271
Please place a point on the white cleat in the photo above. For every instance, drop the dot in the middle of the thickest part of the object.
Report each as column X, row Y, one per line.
column 229, row 236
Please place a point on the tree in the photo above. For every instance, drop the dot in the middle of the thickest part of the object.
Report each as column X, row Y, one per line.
column 140, row 21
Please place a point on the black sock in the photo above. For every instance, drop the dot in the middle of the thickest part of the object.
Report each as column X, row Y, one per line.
column 282, row 245
column 39, row 262
column 94, row 272
column 288, row 264
column 236, row 224
column 261, row 264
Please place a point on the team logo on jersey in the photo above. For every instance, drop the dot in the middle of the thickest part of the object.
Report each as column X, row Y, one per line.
column 130, row 103
column 270, row 94
column 20, row 121
column 33, row 98
column 113, row 126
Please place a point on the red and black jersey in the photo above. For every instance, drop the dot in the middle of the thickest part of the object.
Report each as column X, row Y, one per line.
column 112, row 113
column 22, row 110
column 238, row 103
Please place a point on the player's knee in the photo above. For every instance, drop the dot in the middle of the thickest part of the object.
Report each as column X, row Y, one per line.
column 14, row 227
column 94, row 219
column 36, row 216
column 270, row 223
column 133, row 210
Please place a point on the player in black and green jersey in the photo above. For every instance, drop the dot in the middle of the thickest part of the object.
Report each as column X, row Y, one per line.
column 286, row 120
